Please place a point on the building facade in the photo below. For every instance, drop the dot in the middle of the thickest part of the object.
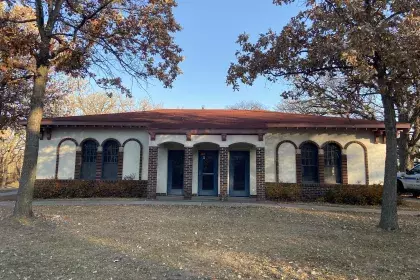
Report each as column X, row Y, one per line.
column 223, row 153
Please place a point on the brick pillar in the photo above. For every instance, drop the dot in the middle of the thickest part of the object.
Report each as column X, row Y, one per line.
column 152, row 174
column 78, row 163
column 120, row 163
column 99, row 163
column 260, row 162
column 344, row 172
column 321, row 165
column 188, row 167
column 298, row 167
column 224, row 172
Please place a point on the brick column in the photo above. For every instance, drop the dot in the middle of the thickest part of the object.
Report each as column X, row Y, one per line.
column 152, row 174
column 224, row 172
column 188, row 167
column 321, row 165
column 260, row 162
column 99, row 163
column 344, row 172
column 78, row 163
column 120, row 163
column 298, row 167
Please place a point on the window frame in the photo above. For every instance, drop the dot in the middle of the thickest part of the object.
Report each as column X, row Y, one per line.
column 309, row 160
column 89, row 156
column 333, row 162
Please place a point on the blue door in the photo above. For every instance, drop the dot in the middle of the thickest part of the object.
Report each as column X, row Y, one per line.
column 239, row 173
column 175, row 172
column 208, row 165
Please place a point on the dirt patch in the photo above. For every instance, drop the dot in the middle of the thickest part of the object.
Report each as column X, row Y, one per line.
column 189, row 242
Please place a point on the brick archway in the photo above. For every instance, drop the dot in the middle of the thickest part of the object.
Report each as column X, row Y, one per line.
column 141, row 153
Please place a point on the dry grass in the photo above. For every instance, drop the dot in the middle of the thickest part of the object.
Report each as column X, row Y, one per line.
column 188, row 242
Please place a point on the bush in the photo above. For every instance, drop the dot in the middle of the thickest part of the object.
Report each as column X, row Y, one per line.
column 89, row 188
column 285, row 192
column 355, row 195
column 337, row 194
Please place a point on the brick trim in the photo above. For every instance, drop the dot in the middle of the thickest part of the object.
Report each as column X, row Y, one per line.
column 344, row 170
column 89, row 139
column 78, row 163
column 366, row 157
column 57, row 158
column 120, row 165
column 224, row 172
column 321, row 166
column 141, row 154
column 276, row 156
column 332, row 142
column 188, row 170
column 298, row 168
column 152, row 174
column 260, row 167
column 111, row 139
column 99, row 163
column 309, row 142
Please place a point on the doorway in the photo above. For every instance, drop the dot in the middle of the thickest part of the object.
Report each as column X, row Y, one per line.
column 239, row 173
column 175, row 172
column 208, row 165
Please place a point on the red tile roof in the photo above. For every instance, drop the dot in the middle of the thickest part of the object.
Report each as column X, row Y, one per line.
column 213, row 119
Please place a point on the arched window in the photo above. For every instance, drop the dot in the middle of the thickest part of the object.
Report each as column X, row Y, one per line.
column 309, row 155
column 110, row 160
column 88, row 168
column 332, row 169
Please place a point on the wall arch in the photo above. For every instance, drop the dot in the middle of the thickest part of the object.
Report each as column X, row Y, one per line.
column 308, row 142
column 332, row 142
column 289, row 163
column 58, row 156
column 128, row 160
column 111, row 139
column 89, row 139
column 353, row 162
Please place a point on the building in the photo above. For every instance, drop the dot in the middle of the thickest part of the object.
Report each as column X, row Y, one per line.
column 206, row 152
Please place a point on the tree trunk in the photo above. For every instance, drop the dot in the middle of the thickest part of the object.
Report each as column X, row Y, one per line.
column 404, row 153
column 23, row 206
column 4, row 173
column 389, row 217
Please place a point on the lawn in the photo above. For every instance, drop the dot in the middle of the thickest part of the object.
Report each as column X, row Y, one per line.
column 191, row 242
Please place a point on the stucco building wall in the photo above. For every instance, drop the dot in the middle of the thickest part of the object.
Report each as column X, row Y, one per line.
column 286, row 153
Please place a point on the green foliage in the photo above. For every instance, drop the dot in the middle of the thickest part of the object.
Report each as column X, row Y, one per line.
column 89, row 188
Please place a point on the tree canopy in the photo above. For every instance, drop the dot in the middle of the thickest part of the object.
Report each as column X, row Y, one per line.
column 370, row 46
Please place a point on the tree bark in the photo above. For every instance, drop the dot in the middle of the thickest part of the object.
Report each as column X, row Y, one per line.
column 4, row 173
column 389, row 217
column 23, row 206
column 404, row 153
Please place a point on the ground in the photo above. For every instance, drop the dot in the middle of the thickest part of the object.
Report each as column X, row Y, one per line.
column 205, row 242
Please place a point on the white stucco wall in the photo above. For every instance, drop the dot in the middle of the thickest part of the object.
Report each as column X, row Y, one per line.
column 356, row 164
column 67, row 160
column 376, row 152
column 287, row 163
column 131, row 161
column 47, row 151
column 286, row 153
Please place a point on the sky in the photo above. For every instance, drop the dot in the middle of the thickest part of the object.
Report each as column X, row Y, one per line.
column 208, row 40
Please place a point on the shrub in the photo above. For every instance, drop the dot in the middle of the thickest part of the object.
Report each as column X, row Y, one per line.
column 285, row 192
column 355, row 194
column 89, row 188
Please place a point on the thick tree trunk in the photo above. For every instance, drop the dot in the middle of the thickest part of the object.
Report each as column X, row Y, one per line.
column 389, row 217
column 23, row 206
column 4, row 173
column 404, row 153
